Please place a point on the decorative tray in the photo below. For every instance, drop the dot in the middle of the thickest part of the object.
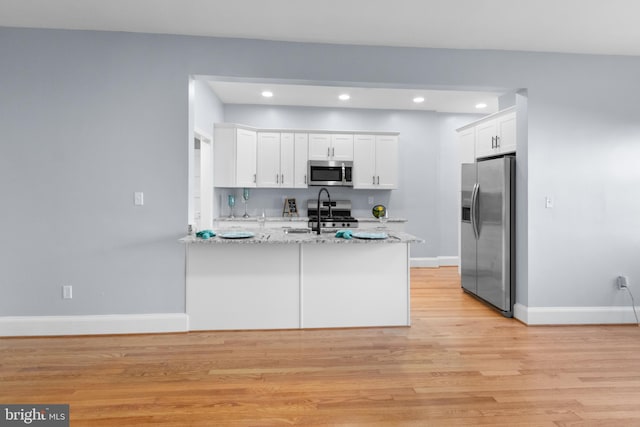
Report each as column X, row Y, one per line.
column 364, row 235
column 236, row 235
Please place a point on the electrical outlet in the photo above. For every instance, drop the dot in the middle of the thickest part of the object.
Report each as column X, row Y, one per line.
column 67, row 292
column 622, row 281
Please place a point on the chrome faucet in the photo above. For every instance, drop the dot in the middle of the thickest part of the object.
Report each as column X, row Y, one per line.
column 329, row 197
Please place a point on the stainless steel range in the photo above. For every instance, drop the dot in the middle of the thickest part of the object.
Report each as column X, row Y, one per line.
column 340, row 215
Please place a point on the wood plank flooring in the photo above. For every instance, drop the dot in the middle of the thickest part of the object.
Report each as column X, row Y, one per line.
column 460, row 363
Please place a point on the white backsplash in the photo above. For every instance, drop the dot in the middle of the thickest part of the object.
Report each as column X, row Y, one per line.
column 272, row 200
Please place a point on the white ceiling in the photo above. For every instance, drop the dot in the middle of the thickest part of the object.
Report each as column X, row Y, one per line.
column 361, row 97
column 571, row 26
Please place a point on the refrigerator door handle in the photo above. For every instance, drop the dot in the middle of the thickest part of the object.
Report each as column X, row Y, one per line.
column 474, row 210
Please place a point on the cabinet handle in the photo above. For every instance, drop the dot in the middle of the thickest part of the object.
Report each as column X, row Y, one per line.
column 328, row 151
column 305, row 179
column 374, row 180
column 282, row 179
column 493, row 142
column 254, row 178
column 333, row 152
column 378, row 179
column 497, row 142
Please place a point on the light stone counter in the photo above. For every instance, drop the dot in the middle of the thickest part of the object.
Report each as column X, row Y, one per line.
column 285, row 236
column 254, row 219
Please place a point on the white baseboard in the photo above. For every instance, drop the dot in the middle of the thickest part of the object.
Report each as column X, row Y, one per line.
column 434, row 262
column 93, row 325
column 574, row 315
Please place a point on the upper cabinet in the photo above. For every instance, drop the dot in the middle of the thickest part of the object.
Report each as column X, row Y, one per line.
column 375, row 161
column 234, row 156
column 330, row 146
column 275, row 159
column 278, row 158
column 301, row 155
column 467, row 138
column 496, row 135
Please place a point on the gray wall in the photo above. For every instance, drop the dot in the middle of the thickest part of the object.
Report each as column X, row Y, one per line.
column 87, row 118
column 428, row 166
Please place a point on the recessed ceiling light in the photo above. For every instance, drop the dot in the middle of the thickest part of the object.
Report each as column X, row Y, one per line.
column 267, row 94
column 344, row 97
column 481, row 105
column 418, row 99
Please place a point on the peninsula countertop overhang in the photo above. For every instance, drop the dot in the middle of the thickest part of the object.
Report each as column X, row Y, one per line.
column 284, row 236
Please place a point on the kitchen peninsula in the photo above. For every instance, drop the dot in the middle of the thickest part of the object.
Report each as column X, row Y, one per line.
column 286, row 279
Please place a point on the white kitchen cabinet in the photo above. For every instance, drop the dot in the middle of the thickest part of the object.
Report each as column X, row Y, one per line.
column 496, row 136
column 341, row 147
column 275, row 159
column 301, row 157
column 467, row 140
column 330, row 146
column 319, row 146
column 375, row 161
column 234, row 156
column 287, row 160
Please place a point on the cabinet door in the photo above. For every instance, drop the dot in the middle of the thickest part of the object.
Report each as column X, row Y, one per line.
column 467, row 140
column 319, row 146
column 286, row 160
column 506, row 126
column 386, row 162
column 245, row 158
column 364, row 163
column 341, row 147
column 268, row 174
column 486, row 133
column 301, row 154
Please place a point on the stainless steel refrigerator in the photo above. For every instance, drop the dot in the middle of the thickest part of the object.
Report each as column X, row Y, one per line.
column 487, row 232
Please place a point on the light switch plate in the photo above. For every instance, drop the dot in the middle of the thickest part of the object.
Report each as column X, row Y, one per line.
column 138, row 198
column 548, row 202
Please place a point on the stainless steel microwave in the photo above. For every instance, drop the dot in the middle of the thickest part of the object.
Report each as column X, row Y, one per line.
column 330, row 173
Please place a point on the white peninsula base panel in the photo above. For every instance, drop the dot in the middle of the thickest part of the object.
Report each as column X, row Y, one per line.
column 363, row 285
column 287, row 286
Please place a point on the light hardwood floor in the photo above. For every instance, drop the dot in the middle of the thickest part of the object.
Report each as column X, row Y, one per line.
column 459, row 363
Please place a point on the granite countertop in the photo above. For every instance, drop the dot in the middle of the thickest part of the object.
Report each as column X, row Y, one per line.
column 297, row 219
column 280, row 236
